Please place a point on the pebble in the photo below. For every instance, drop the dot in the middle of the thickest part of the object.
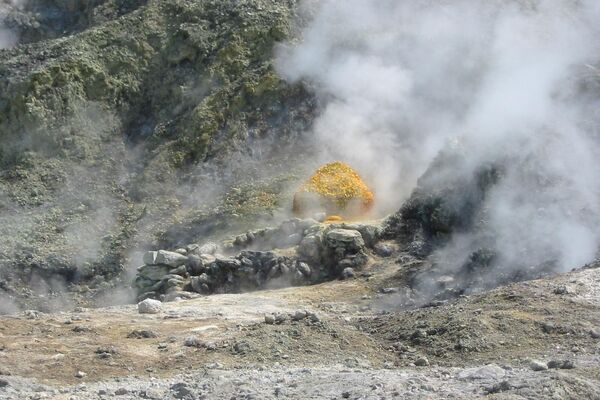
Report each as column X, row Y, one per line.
column 80, row 374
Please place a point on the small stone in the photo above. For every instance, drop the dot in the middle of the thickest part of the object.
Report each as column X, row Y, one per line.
column 555, row 364
column 121, row 392
column 181, row 391
column 313, row 317
column 191, row 341
column 537, row 365
column 499, row 387
column 561, row 290
column 142, row 334
column 348, row 273
column 269, row 319
column 390, row 290
column 241, row 347
column 595, row 334
column 149, row 306
column 107, row 349
column 181, row 251
column 102, row 392
column 280, row 318
column 299, row 315
column 383, row 250
column 80, row 374
column 419, row 334
column 81, row 329
column 422, row 362
column 209, row 345
column 32, row 314
column 155, row 394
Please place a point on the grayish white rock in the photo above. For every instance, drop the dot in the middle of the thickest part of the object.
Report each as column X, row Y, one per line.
column 149, row 306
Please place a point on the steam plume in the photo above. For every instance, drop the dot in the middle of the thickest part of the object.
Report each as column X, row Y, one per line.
column 513, row 82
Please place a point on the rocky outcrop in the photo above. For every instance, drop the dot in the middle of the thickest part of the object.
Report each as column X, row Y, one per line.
column 445, row 202
column 298, row 252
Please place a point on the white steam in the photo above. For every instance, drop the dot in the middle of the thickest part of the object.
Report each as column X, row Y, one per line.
column 508, row 81
column 8, row 37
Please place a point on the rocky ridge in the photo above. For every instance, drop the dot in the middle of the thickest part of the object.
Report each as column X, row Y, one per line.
column 298, row 252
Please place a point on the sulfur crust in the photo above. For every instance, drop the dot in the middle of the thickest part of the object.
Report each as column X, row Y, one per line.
column 339, row 183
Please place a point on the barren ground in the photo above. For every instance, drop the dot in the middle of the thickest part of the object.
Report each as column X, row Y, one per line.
column 362, row 346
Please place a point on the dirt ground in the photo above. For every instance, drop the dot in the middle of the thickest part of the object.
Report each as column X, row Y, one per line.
column 360, row 330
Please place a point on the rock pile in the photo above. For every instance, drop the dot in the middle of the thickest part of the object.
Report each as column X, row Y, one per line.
column 298, row 252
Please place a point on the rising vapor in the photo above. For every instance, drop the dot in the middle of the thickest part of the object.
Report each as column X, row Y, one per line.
column 503, row 83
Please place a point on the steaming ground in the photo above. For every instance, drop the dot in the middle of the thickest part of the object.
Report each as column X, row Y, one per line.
column 506, row 84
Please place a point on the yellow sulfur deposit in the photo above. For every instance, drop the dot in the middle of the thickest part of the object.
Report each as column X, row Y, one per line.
column 335, row 189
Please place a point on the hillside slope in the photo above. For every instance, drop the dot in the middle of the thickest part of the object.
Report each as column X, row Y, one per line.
column 114, row 134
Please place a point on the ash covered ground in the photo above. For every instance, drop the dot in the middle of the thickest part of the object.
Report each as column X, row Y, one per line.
column 151, row 156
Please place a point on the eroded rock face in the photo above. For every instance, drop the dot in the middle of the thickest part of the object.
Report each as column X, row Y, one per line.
column 320, row 252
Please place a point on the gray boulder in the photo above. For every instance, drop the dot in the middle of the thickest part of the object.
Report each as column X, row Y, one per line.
column 369, row 233
column 153, row 272
column 310, row 248
column 200, row 283
column 150, row 257
column 195, row 264
column 304, row 269
column 170, row 258
column 345, row 238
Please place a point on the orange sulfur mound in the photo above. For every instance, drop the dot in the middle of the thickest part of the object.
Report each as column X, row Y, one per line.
column 335, row 189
